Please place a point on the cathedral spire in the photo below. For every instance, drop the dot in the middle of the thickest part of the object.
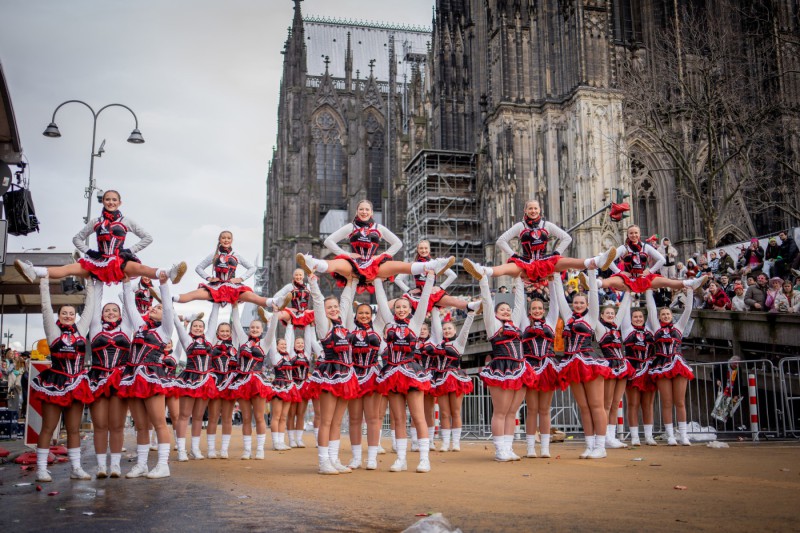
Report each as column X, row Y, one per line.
column 295, row 50
column 348, row 63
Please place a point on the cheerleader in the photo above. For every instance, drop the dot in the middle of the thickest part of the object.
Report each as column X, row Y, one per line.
column 607, row 333
column 364, row 263
column 283, row 386
column 333, row 379
column 365, row 344
column 222, row 286
column 144, row 295
column 145, row 382
column 670, row 371
column 110, row 333
column 641, row 389
column 111, row 263
column 582, row 369
column 301, row 363
column 505, row 375
column 402, row 378
column 248, row 385
column 534, row 233
column 449, row 381
column 223, row 363
column 439, row 296
column 195, row 386
column 296, row 298
column 63, row 388
column 636, row 275
column 538, row 336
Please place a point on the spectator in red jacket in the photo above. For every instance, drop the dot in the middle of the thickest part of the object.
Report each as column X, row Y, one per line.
column 716, row 298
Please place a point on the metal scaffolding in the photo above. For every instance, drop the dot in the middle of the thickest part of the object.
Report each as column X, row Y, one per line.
column 443, row 208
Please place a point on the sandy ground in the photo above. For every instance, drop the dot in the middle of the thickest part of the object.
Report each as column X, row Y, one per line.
column 744, row 488
column 748, row 487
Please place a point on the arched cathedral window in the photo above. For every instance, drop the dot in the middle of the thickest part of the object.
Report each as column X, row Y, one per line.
column 627, row 21
column 330, row 162
column 376, row 160
column 644, row 203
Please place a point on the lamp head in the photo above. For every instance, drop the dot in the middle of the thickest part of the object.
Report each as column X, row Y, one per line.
column 51, row 130
column 136, row 137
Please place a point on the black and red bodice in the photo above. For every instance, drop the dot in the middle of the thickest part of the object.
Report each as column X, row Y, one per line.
column 365, row 344
column 611, row 342
column 635, row 261
column 147, row 347
column 111, row 234
column 401, row 342
column 538, row 339
column 225, row 264
column 668, row 340
column 223, row 357
column 507, row 342
column 110, row 349
column 336, row 345
column 365, row 240
column 198, row 356
column 300, row 367
column 533, row 238
column 67, row 352
column 638, row 344
column 300, row 296
column 577, row 335
column 251, row 357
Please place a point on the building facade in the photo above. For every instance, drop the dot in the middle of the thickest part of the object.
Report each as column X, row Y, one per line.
column 523, row 93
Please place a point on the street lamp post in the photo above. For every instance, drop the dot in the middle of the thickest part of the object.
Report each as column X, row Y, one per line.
column 134, row 138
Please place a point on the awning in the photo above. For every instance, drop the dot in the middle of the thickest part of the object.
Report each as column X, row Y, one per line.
column 17, row 296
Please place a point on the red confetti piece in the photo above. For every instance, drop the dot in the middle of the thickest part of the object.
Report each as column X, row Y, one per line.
column 54, row 493
column 38, row 488
column 680, row 487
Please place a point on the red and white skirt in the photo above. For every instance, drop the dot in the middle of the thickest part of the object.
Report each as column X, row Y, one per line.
column 436, row 296
column 366, row 270
column 104, row 382
column 670, row 367
column 638, row 284
column 536, row 269
column 582, row 367
column 225, row 292
column 300, row 319
column 402, row 378
column 246, row 386
column 543, row 374
column 452, row 380
column 108, row 269
column 506, row 372
column 60, row 389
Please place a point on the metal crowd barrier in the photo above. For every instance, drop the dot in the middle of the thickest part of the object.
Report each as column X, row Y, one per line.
column 755, row 401
column 790, row 387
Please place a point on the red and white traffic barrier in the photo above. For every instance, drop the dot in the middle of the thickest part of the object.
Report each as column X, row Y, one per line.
column 436, row 422
column 517, row 427
column 33, row 415
column 752, row 392
column 620, row 420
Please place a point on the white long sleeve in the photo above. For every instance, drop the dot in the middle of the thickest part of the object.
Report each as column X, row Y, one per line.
column 346, row 304
column 268, row 341
column 200, row 269
column 552, row 313
column 79, row 240
column 96, row 326
column 625, row 325
column 656, row 256
column 145, row 239
column 282, row 292
column 489, row 320
column 436, row 326
column 683, row 321
column 131, row 313
column 238, row 336
column 460, row 343
column 394, row 242
column 563, row 305
column 519, row 311
column 593, row 316
column 415, row 324
column 51, row 330
column 451, row 277
column 652, row 311
column 88, row 311
column 184, row 339
column 564, row 239
column 250, row 268
column 384, row 313
column 503, row 242
column 400, row 281
column 211, row 326
column 332, row 242
column 321, row 321
column 165, row 329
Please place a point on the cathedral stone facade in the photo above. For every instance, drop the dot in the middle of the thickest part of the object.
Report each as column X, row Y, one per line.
column 529, row 87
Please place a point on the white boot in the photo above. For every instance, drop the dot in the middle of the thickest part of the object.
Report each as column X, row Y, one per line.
column 545, row 451
column 176, row 272
column 424, row 461
column 500, row 453
column 530, row 446
column 589, row 446
column 400, row 463
column 599, row 451
column 445, row 441
column 648, row 435
column 510, row 447
column 670, row 435
column 325, row 466
column 684, row 434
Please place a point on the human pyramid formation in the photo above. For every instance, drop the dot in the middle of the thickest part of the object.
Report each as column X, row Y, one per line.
column 342, row 357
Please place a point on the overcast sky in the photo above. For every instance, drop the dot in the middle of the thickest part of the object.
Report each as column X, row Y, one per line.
column 203, row 78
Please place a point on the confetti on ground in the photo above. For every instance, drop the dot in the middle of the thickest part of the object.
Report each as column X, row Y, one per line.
column 680, row 487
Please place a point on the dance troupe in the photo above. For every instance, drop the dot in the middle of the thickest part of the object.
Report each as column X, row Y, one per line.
column 343, row 357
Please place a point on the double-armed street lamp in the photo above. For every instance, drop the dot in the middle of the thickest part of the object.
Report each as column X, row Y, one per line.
column 134, row 138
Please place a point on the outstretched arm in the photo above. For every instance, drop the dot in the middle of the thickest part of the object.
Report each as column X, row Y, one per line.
column 384, row 312
column 131, row 311
column 211, row 327
column 88, row 310
column 657, row 257
column 184, row 340
column 279, row 296
column 489, row 320
column 621, row 252
column 332, row 242
column 268, row 342
column 51, row 331
column 289, row 337
column 400, row 281
column 166, row 320
column 436, row 326
column 145, row 239
column 687, row 314
column 518, row 313
column 624, row 315
column 552, row 313
column 415, row 324
column 561, row 298
column 461, row 341
column 346, row 304
column 451, row 277
column 97, row 314
column 593, row 316
column 652, row 311
column 321, row 322
column 238, row 336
